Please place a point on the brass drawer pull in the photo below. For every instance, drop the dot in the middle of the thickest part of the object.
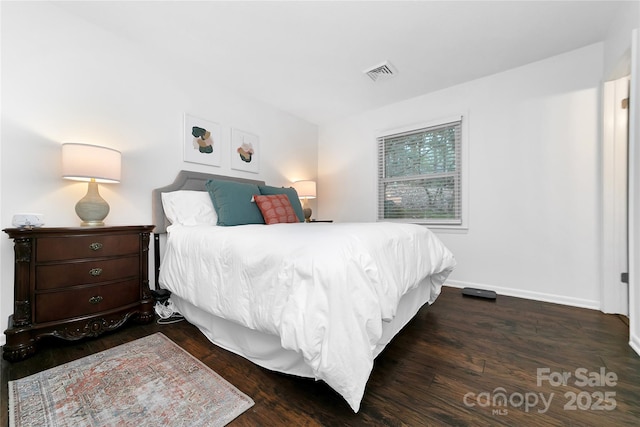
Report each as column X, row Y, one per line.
column 95, row 300
column 95, row 271
column 95, row 246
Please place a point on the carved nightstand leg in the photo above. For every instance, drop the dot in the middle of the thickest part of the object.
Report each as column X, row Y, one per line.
column 147, row 312
column 19, row 346
column 18, row 354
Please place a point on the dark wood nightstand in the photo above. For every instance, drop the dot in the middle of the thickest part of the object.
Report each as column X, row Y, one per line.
column 73, row 283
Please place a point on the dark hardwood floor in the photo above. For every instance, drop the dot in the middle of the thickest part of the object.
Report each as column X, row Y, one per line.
column 447, row 367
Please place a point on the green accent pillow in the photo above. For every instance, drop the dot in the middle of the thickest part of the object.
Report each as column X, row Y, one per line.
column 233, row 204
column 291, row 192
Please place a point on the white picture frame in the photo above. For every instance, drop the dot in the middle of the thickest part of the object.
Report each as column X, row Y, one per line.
column 245, row 151
column 202, row 141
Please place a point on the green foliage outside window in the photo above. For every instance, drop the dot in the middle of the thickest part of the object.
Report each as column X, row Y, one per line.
column 420, row 175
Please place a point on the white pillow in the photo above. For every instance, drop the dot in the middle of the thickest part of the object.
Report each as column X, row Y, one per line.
column 189, row 208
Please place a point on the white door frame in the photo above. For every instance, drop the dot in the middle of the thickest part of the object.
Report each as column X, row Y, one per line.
column 614, row 293
column 634, row 196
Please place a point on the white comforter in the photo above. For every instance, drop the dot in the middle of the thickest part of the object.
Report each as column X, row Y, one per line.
column 324, row 289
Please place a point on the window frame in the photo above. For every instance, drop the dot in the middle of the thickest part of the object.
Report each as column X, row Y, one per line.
column 455, row 225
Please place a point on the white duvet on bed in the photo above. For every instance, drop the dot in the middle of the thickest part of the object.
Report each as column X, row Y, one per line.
column 324, row 289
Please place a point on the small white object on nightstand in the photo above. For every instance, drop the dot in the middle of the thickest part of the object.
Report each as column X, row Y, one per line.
column 27, row 220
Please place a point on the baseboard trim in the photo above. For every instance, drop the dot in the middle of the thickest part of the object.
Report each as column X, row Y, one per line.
column 536, row 296
column 634, row 342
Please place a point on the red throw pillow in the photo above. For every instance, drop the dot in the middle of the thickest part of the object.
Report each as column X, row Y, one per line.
column 276, row 208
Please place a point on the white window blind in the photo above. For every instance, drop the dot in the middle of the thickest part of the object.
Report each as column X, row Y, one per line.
column 419, row 175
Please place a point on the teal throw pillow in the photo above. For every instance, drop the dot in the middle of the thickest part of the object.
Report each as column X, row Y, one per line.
column 232, row 201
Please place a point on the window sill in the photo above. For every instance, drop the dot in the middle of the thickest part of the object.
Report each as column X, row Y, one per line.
column 444, row 228
column 453, row 229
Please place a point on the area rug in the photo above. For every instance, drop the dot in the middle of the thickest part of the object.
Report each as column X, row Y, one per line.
column 147, row 382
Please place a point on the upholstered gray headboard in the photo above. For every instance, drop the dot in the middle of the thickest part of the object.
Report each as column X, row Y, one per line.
column 186, row 180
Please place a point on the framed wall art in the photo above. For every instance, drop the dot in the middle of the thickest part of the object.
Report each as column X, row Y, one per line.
column 202, row 141
column 245, row 151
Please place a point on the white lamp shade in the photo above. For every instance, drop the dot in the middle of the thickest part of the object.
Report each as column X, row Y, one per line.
column 84, row 162
column 305, row 189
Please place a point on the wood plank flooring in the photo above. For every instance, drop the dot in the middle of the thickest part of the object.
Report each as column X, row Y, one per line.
column 447, row 367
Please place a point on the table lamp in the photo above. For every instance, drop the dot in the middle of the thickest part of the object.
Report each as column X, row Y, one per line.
column 93, row 164
column 306, row 190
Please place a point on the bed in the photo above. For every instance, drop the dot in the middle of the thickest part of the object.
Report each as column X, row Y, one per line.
column 314, row 300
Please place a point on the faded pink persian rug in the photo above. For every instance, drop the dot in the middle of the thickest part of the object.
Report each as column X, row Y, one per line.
column 147, row 382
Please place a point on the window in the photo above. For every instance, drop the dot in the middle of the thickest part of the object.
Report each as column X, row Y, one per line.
column 419, row 175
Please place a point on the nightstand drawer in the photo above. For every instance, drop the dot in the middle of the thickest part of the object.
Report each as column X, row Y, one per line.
column 73, row 247
column 86, row 272
column 53, row 306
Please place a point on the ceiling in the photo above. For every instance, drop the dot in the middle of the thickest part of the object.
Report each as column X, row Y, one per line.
column 308, row 58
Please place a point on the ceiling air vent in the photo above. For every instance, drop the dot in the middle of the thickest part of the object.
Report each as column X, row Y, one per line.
column 383, row 71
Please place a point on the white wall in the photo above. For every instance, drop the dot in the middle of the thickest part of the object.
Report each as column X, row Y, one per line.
column 534, row 175
column 65, row 80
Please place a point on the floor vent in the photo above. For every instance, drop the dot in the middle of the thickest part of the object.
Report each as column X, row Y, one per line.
column 383, row 71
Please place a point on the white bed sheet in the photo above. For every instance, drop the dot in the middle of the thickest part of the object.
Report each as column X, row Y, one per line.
column 325, row 290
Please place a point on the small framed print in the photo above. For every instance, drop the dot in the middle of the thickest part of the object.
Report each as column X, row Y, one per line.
column 202, row 141
column 245, row 151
